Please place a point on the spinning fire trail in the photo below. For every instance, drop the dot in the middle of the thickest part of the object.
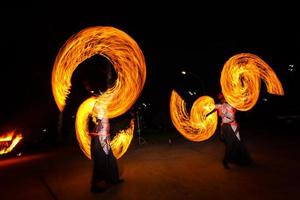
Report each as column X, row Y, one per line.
column 128, row 60
column 240, row 82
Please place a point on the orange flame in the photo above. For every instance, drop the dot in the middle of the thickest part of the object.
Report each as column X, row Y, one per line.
column 240, row 80
column 8, row 141
column 195, row 127
column 122, row 140
column 128, row 60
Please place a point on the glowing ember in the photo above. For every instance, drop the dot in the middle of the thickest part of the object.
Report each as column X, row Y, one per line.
column 128, row 60
column 195, row 127
column 8, row 141
column 240, row 80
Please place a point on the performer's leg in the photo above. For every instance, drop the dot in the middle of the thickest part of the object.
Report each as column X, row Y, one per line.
column 113, row 170
column 227, row 150
column 226, row 157
column 97, row 174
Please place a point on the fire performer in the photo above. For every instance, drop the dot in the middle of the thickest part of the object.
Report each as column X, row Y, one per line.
column 235, row 151
column 105, row 168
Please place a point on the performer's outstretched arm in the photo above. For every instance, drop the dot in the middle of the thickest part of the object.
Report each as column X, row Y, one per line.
column 210, row 112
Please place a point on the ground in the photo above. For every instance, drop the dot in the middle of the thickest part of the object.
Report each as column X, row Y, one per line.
column 160, row 170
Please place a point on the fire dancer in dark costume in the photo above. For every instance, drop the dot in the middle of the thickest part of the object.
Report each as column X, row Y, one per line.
column 235, row 151
column 105, row 168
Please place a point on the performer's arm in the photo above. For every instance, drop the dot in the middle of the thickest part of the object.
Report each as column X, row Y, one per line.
column 210, row 112
column 217, row 106
column 94, row 134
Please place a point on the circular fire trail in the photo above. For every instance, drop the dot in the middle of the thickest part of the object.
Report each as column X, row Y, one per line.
column 241, row 78
column 128, row 60
column 195, row 127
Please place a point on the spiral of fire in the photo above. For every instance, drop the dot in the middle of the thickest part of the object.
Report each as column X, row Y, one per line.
column 128, row 60
column 196, row 126
column 240, row 83
column 241, row 80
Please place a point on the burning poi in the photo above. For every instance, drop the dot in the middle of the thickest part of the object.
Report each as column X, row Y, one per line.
column 240, row 82
column 128, row 60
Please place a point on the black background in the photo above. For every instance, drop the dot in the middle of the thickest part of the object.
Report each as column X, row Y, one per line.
column 195, row 36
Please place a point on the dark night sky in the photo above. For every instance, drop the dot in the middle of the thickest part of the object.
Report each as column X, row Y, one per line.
column 193, row 36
